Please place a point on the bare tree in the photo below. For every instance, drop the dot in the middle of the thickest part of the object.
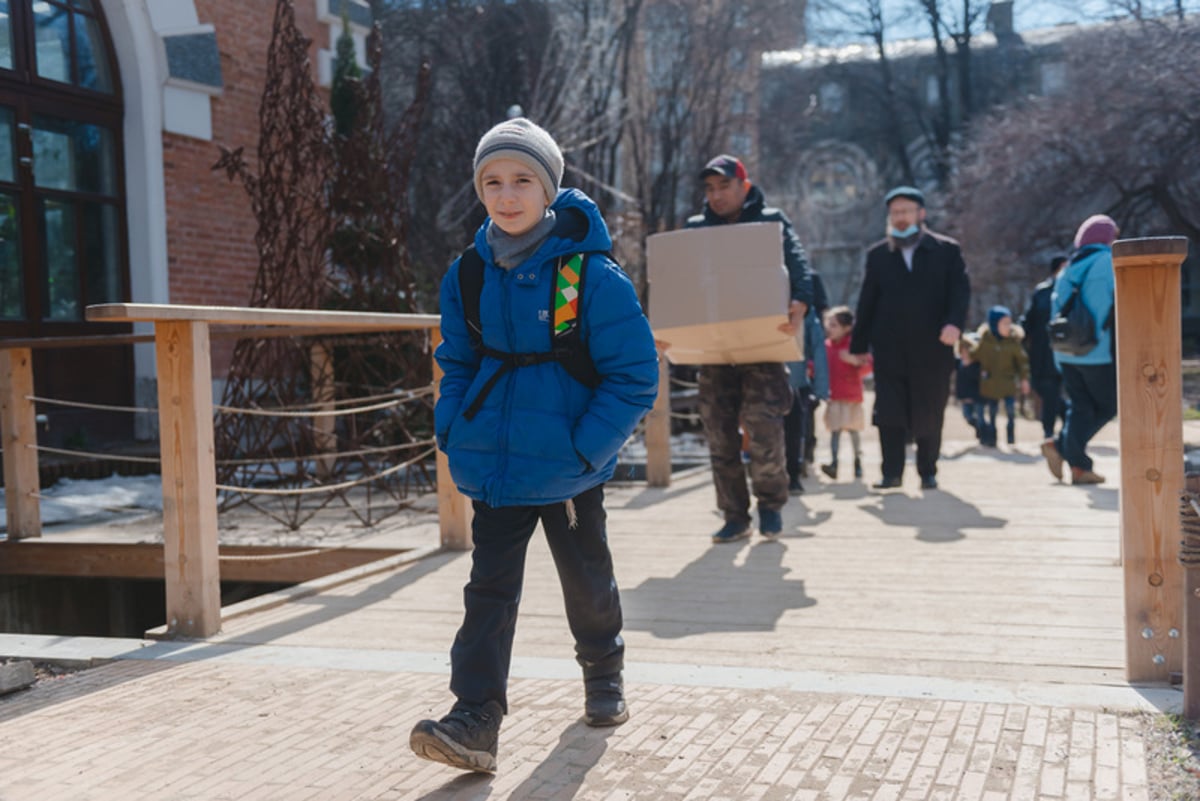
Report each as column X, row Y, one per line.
column 563, row 64
column 1125, row 140
column 698, row 65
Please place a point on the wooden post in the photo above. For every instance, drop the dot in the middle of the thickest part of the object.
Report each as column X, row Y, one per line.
column 658, row 429
column 185, row 415
column 1150, row 402
column 324, row 440
column 18, row 424
column 454, row 510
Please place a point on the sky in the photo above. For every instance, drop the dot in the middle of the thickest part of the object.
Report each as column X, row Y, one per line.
column 903, row 19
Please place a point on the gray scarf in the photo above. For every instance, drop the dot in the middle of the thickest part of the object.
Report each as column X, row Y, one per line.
column 509, row 251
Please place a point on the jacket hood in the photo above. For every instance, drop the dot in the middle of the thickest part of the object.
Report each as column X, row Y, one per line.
column 1089, row 250
column 578, row 227
column 752, row 207
column 995, row 315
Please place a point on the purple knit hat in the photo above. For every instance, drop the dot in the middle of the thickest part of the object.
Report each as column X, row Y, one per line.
column 1099, row 229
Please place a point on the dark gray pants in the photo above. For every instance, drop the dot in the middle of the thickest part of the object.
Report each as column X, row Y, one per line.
column 482, row 650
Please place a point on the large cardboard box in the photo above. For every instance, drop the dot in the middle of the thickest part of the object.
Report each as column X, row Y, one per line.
column 719, row 294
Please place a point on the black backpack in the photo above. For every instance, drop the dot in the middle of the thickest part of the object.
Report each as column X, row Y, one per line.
column 566, row 346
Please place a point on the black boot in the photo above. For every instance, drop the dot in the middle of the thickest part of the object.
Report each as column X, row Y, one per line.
column 604, row 703
column 857, row 467
column 830, row 469
column 465, row 738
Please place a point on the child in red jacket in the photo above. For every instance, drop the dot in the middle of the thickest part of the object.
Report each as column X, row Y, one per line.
column 844, row 411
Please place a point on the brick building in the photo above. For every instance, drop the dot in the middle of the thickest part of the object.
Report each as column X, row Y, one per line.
column 113, row 114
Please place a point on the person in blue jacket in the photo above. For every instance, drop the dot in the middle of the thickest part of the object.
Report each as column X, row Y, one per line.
column 540, row 445
column 1089, row 379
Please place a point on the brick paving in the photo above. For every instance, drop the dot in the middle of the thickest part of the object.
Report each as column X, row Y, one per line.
column 214, row 730
column 972, row 695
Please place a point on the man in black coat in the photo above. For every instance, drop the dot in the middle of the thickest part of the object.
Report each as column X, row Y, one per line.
column 911, row 312
column 755, row 396
column 1043, row 373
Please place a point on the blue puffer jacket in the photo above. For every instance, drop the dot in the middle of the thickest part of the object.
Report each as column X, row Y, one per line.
column 1097, row 292
column 541, row 437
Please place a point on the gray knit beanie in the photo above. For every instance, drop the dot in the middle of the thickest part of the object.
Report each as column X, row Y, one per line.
column 521, row 140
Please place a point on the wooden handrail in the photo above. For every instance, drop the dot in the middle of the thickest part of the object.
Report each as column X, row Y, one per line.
column 234, row 315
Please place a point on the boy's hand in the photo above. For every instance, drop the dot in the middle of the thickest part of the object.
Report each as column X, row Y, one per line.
column 1024, row 386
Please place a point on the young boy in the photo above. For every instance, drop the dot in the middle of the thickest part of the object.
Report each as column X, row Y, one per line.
column 1004, row 371
column 527, row 441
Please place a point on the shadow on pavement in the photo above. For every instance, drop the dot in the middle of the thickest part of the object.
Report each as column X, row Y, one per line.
column 938, row 516
column 718, row 592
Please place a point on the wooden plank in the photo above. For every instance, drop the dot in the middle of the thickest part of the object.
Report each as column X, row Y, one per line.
column 454, row 510
column 1149, row 396
column 658, row 429
column 96, row 340
column 18, row 424
column 188, row 478
column 234, row 315
column 255, row 563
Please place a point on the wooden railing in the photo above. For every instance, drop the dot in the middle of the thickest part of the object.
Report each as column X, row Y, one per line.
column 185, row 411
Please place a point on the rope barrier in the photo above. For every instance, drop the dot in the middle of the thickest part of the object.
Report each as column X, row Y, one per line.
column 96, row 406
column 94, row 455
column 328, row 487
column 395, row 399
column 405, row 394
column 314, row 413
column 327, row 455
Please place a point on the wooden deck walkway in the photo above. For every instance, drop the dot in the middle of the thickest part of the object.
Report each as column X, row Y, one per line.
column 961, row 643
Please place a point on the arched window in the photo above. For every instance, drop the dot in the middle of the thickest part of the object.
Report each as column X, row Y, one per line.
column 62, row 211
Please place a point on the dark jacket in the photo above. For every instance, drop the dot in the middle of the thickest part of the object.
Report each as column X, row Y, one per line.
column 754, row 209
column 966, row 381
column 541, row 436
column 900, row 318
column 1037, row 341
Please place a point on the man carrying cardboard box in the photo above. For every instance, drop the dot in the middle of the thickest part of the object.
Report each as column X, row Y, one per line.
column 756, row 396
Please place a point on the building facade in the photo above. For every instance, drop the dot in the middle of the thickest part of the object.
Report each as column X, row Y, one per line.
column 114, row 114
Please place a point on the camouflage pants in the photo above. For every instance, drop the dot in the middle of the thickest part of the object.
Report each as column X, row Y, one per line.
column 756, row 396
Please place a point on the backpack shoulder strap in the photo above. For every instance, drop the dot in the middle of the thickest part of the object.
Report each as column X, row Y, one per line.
column 470, row 287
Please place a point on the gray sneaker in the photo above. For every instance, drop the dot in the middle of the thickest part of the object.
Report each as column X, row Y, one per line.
column 465, row 738
column 604, row 704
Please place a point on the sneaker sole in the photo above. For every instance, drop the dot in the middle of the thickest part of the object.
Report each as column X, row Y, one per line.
column 1054, row 460
column 429, row 745
column 603, row 722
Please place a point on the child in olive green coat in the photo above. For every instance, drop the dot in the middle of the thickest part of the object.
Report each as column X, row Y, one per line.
column 1004, row 371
